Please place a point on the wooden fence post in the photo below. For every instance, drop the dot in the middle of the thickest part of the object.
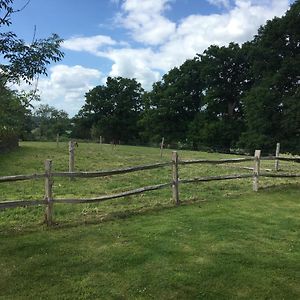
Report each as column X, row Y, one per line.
column 48, row 192
column 256, row 170
column 71, row 158
column 162, row 146
column 277, row 155
column 100, row 141
column 57, row 140
column 175, row 183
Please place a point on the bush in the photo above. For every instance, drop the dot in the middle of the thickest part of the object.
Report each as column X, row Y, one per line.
column 8, row 140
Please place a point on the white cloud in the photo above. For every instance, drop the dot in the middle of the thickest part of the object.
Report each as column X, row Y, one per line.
column 192, row 35
column 220, row 3
column 162, row 44
column 66, row 86
column 145, row 20
column 197, row 32
column 89, row 44
column 134, row 63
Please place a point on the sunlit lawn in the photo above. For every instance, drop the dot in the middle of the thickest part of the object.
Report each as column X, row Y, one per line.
column 223, row 242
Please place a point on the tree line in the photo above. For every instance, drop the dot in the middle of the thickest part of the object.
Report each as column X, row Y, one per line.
column 231, row 97
column 235, row 97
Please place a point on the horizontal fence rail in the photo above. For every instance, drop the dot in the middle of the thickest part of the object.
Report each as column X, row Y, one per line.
column 279, row 175
column 21, row 177
column 215, row 178
column 217, row 162
column 294, row 159
column 48, row 176
column 21, row 203
column 248, row 168
column 110, row 172
column 119, row 195
column 85, row 174
column 290, row 159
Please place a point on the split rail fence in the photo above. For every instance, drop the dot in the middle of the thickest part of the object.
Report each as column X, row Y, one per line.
column 48, row 176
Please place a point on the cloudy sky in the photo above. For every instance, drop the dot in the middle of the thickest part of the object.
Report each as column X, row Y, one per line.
column 140, row 39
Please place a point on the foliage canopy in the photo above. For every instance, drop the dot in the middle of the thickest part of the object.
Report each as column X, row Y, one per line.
column 21, row 62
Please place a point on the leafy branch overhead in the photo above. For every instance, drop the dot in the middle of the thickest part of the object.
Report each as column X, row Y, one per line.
column 23, row 61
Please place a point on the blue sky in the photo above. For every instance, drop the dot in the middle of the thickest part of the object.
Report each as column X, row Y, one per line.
column 140, row 39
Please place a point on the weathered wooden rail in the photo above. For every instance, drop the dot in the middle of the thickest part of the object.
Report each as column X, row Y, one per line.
column 48, row 175
column 110, row 172
column 21, row 177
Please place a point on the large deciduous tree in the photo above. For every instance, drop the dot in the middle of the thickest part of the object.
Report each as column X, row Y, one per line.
column 173, row 103
column 113, row 110
column 49, row 121
column 232, row 96
column 273, row 105
column 20, row 61
column 225, row 74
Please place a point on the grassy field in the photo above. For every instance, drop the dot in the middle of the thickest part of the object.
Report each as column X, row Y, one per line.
column 223, row 242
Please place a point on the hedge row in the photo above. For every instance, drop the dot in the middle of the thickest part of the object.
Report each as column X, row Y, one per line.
column 8, row 140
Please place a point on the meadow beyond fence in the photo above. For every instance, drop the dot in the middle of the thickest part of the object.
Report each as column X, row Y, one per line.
column 175, row 180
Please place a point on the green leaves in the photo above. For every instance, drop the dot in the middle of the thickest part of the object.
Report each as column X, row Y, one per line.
column 13, row 110
column 113, row 110
column 173, row 103
column 5, row 11
column 49, row 121
column 272, row 103
column 24, row 62
column 21, row 61
column 236, row 96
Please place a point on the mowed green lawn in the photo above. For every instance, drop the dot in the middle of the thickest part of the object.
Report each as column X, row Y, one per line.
column 223, row 242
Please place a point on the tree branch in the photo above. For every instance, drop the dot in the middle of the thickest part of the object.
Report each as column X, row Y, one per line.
column 22, row 8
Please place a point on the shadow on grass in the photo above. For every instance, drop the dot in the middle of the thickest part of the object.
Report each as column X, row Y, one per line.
column 278, row 188
column 126, row 214
column 92, row 219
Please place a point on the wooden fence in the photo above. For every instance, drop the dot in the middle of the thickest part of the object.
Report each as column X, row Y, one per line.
column 48, row 175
